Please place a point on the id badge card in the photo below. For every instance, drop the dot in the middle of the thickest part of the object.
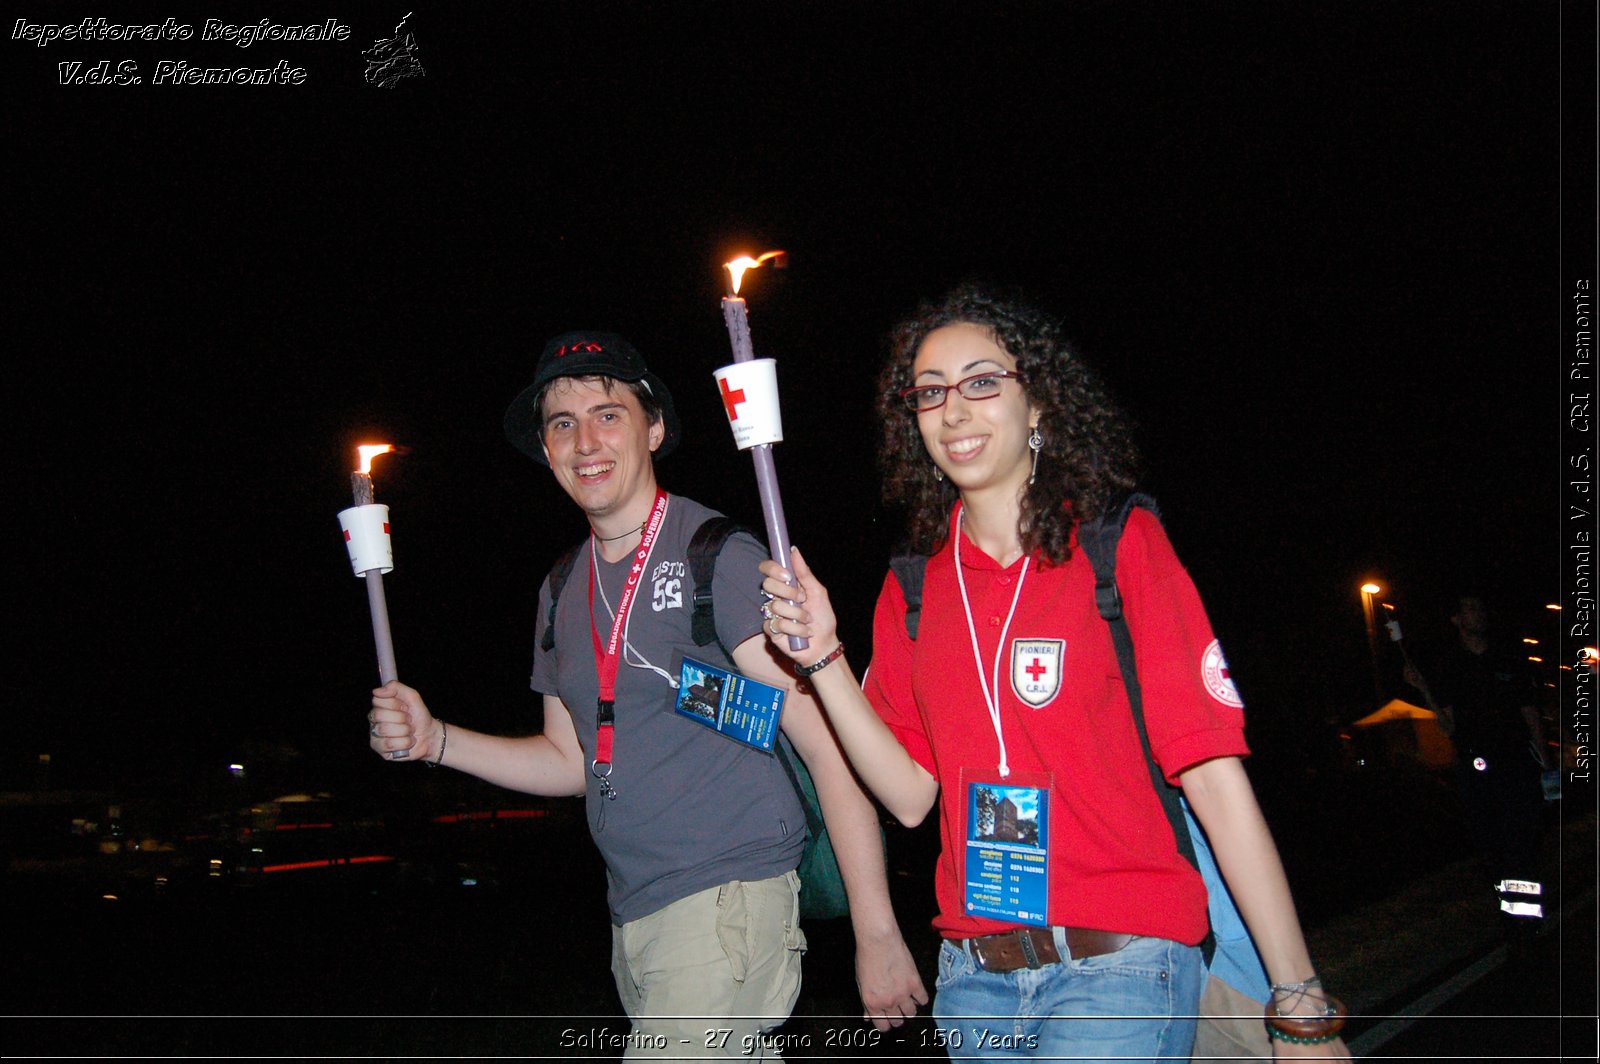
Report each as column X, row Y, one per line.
column 745, row 710
column 1007, row 866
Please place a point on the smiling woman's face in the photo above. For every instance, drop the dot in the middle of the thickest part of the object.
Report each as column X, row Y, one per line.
column 979, row 443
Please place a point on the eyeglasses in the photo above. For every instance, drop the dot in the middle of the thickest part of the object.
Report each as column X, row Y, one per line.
column 924, row 397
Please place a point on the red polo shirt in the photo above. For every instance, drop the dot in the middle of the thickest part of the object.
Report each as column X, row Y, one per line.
column 1113, row 862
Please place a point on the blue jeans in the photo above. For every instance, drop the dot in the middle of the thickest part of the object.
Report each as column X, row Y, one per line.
column 1139, row 1003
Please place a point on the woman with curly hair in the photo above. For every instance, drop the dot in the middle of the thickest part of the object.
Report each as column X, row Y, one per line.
column 1071, row 923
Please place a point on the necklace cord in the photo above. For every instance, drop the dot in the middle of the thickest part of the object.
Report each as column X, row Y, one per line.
column 613, row 539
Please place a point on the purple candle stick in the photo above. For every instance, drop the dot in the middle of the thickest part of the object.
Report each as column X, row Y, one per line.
column 735, row 312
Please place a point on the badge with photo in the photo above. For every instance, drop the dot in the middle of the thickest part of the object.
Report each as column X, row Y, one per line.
column 745, row 710
column 1008, row 844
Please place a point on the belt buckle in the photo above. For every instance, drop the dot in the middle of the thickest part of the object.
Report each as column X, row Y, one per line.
column 1029, row 954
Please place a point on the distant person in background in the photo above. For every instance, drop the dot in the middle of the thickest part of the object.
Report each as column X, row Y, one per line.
column 1486, row 697
column 1007, row 713
column 700, row 834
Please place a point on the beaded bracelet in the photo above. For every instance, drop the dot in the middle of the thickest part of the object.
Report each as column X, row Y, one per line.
column 1308, row 1030
column 444, row 741
column 821, row 663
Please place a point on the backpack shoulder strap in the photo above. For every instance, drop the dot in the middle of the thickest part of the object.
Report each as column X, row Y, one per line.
column 704, row 547
column 909, row 569
column 1099, row 539
column 559, row 572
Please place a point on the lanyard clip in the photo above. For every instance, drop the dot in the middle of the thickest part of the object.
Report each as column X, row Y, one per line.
column 601, row 770
column 605, row 711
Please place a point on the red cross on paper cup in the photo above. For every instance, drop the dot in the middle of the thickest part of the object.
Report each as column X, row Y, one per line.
column 366, row 537
column 731, row 398
column 749, row 393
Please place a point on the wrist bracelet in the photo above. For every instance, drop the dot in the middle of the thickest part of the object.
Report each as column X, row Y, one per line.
column 444, row 740
column 821, row 663
column 1308, row 1030
column 1295, row 988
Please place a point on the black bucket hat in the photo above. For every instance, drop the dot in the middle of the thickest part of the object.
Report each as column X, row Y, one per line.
column 584, row 354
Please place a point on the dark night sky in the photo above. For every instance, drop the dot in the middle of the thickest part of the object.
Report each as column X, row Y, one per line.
column 1313, row 246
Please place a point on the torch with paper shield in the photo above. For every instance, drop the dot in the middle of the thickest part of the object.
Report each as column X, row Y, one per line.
column 749, row 391
column 366, row 536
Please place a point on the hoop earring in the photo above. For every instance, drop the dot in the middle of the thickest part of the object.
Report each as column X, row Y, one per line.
column 938, row 474
column 1035, row 444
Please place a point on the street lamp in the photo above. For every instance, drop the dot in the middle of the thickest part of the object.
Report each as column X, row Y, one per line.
column 1368, row 590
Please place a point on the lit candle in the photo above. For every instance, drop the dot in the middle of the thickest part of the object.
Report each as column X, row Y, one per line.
column 736, row 314
column 366, row 536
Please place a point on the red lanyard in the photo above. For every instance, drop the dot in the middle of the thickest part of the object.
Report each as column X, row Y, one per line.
column 607, row 658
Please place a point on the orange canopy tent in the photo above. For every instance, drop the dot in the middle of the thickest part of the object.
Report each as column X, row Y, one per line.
column 1428, row 742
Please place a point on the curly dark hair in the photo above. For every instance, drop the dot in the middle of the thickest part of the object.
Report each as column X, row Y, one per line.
column 1088, row 454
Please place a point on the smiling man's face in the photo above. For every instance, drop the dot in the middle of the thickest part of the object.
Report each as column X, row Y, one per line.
column 599, row 440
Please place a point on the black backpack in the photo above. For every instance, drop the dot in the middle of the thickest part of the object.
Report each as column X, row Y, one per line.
column 822, row 894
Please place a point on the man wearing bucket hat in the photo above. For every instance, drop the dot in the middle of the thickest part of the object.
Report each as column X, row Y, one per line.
column 700, row 833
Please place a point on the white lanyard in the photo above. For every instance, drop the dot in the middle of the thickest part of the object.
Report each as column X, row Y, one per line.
column 991, row 696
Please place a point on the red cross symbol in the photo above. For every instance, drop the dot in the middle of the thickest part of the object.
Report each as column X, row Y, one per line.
column 1035, row 670
column 731, row 399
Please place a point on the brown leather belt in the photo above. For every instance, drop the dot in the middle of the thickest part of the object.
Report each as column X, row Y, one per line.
column 1035, row 947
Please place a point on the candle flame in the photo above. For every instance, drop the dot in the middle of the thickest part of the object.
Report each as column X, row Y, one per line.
column 369, row 451
column 737, row 267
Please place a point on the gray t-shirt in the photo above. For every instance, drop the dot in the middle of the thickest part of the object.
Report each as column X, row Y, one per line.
column 694, row 809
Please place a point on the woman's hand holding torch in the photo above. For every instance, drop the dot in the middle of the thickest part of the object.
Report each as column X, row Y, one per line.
column 799, row 608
